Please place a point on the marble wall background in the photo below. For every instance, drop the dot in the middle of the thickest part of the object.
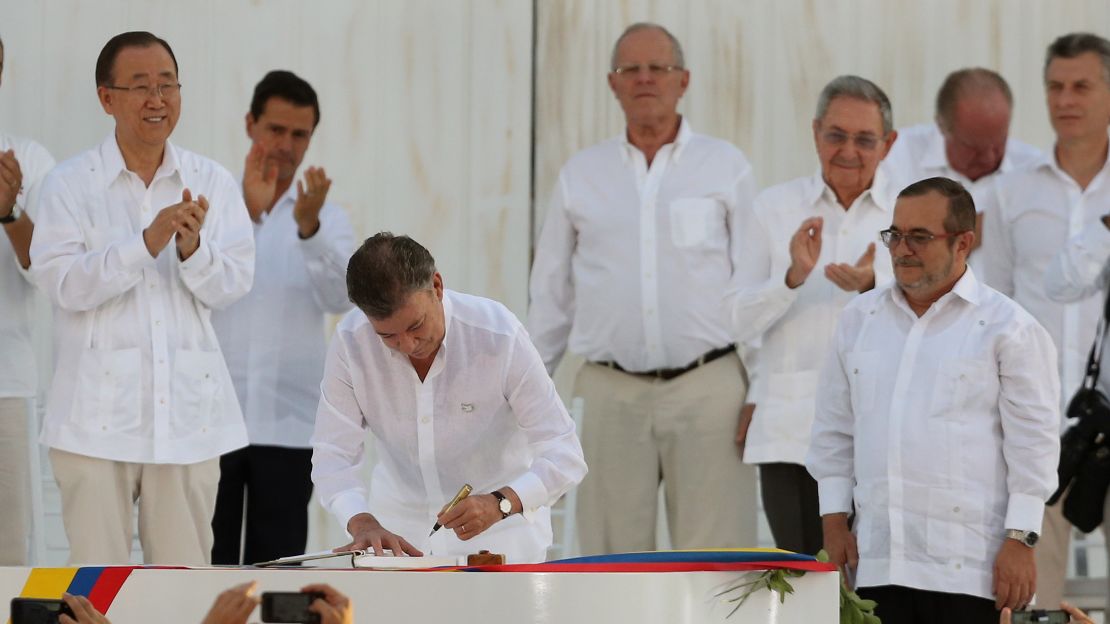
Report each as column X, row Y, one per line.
column 449, row 119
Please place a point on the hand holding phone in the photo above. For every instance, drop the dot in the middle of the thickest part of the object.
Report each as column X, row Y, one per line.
column 38, row 610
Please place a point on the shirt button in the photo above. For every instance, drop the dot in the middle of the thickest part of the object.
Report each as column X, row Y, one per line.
column 959, row 566
column 425, row 420
column 157, row 322
column 162, row 401
column 956, row 509
column 855, row 371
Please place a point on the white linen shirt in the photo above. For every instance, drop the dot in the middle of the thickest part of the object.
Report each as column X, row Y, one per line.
column 793, row 327
column 919, row 154
column 942, row 430
column 17, row 370
column 273, row 338
column 486, row 414
column 139, row 376
column 1027, row 218
column 634, row 264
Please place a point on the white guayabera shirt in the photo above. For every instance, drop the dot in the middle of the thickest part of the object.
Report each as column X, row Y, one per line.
column 941, row 430
column 487, row 414
column 793, row 327
column 635, row 264
column 17, row 369
column 139, row 376
column 273, row 338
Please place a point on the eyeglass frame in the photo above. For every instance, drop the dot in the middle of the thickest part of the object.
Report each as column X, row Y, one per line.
column 891, row 237
column 864, row 141
column 147, row 91
column 654, row 69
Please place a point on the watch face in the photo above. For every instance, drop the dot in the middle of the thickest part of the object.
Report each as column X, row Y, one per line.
column 505, row 506
column 1031, row 538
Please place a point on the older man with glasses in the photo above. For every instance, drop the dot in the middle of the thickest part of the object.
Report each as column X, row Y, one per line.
column 640, row 248
column 810, row 248
column 137, row 241
column 936, row 422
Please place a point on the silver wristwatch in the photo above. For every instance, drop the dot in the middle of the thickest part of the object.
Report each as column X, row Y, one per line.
column 1029, row 538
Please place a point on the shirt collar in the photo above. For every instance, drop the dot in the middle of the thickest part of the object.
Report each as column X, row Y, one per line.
column 935, row 156
column 968, row 288
column 1048, row 161
column 448, row 314
column 685, row 133
column 113, row 164
column 879, row 190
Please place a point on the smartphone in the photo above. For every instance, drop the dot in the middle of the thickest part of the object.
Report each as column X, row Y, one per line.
column 288, row 607
column 1039, row 617
column 38, row 610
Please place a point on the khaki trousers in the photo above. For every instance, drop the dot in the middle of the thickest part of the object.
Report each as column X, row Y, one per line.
column 639, row 430
column 15, row 482
column 175, row 509
column 1052, row 553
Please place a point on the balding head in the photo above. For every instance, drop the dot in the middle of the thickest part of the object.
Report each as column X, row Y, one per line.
column 973, row 113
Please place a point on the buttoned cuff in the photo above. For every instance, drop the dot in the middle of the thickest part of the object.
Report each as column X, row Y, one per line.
column 133, row 254
column 348, row 505
column 200, row 259
column 1024, row 513
column 835, row 495
column 316, row 245
column 532, row 493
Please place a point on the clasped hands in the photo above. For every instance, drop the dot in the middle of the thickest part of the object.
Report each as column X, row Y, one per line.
column 182, row 220
column 805, row 250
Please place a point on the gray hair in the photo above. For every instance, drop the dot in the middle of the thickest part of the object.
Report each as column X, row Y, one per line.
column 385, row 270
column 859, row 89
column 1072, row 45
column 676, row 47
column 965, row 82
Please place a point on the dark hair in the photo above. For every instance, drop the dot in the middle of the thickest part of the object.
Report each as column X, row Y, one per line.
column 1072, row 45
column 961, row 207
column 288, row 86
column 963, row 82
column 134, row 39
column 385, row 270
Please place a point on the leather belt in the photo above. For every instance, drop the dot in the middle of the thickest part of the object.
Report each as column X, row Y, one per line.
column 666, row 374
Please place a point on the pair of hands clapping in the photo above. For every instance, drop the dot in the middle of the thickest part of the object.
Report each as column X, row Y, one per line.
column 260, row 179
column 182, row 220
column 805, row 250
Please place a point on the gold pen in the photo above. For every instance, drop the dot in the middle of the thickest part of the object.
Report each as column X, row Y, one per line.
column 464, row 491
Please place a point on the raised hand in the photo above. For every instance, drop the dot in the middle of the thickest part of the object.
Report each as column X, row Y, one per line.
column 11, row 180
column 854, row 277
column 259, row 182
column 310, row 200
column 190, row 219
column 805, row 249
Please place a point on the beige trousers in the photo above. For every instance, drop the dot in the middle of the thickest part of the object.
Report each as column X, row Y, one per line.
column 15, row 482
column 1052, row 553
column 176, row 503
column 637, row 431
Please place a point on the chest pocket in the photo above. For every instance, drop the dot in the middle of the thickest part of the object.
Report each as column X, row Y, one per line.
column 862, row 371
column 694, row 221
column 962, row 383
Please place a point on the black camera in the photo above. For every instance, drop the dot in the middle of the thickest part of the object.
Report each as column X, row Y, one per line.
column 38, row 610
column 290, row 607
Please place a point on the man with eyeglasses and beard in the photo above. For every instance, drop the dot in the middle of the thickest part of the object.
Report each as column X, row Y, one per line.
column 937, row 416
column 636, row 270
column 137, row 241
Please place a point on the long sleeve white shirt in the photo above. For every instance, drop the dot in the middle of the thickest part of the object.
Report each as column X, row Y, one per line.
column 1028, row 216
column 635, row 264
column 17, row 369
column 273, row 338
column 919, row 153
column 793, row 327
column 487, row 414
column 941, row 429
column 139, row 375
column 1081, row 271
